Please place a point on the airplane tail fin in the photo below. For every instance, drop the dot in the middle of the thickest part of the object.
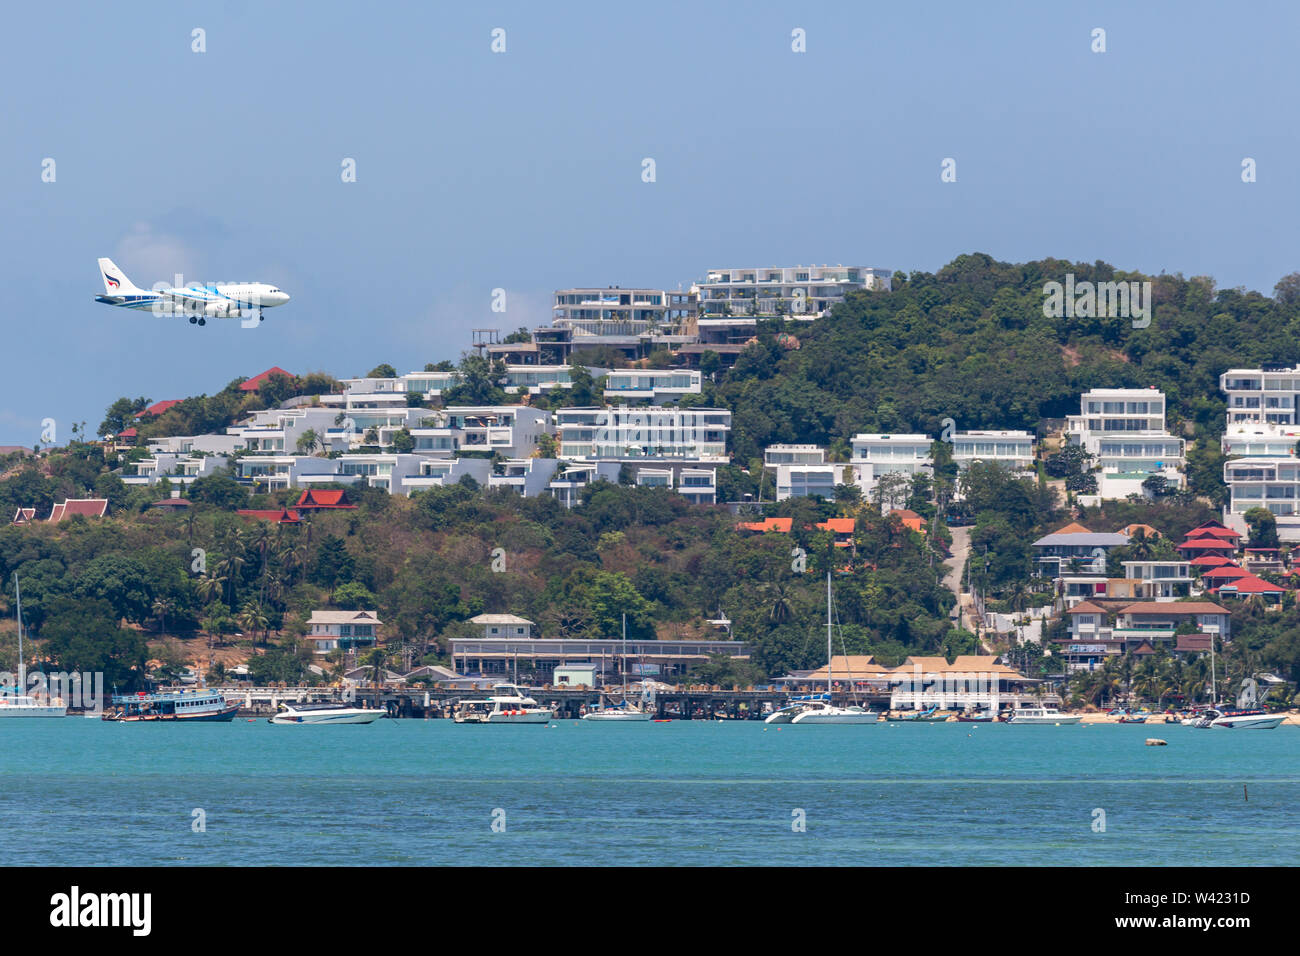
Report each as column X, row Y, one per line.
column 115, row 280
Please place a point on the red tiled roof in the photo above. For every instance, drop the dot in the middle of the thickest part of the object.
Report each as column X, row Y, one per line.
column 1214, row 530
column 1207, row 544
column 1174, row 607
column 278, row 515
column 837, row 525
column 323, row 498
column 1253, row 585
column 1072, row 528
column 768, row 524
column 157, row 408
column 1192, row 642
column 90, row 507
column 254, row 383
column 127, row 433
column 1087, row 607
column 1225, row 573
column 1209, row 561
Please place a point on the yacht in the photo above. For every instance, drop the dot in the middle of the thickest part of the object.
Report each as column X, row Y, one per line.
column 507, row 705
column 14, row 702
column 819, row 709
column 326, row 714
column 1248, row 714
column 1042, row 714
column 786, row 714
column 624, row 711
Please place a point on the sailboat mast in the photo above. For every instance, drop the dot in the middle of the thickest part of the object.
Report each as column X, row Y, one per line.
column 1213, row 683
column 22, row 666
column 829, row 662
column 624, row 668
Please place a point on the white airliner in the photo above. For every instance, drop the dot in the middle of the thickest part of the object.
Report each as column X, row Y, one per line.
column 198, row 302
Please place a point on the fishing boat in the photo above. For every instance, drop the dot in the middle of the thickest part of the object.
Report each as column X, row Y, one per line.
column 976, row 717
column 930, row 715
column 189, row 706
column 1129, row 718
column 507, row 705
column 326, row 714
column 15, row 701
column 823, row 711
column 624, row 711
column 1042, row 714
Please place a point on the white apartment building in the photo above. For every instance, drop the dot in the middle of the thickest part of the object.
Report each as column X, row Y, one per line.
column 875, row 456
column 528, row 477
column 1014, row 449
column 624, row 432
column 1263, row 482
column 510, row 430
column 798, row 292
column 1124, row 429
column 279, row 472
column 802, row 470
column 1266, row 395
column 568, row 483
column 609, row 311
column 1159, row 580
column 1257, row 440
column 178, row 469
column 655, row 386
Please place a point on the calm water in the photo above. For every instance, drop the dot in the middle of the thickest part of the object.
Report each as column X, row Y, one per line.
column 81, row 792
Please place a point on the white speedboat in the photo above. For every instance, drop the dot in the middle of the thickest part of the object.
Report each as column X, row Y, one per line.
column 1042, row 714
column 1241, row 719
column 14, row 702
column 507, row 705
column 326, row 714
column 787, row 714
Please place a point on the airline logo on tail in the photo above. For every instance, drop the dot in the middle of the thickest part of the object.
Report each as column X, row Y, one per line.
column 112, row 283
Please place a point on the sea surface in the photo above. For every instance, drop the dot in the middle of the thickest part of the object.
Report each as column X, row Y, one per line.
column 78, row 792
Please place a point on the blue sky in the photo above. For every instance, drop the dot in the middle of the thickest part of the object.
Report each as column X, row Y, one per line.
column 522, row 170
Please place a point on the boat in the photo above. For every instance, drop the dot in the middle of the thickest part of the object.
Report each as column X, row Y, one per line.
column 1042, row 714
column 326, row 714
column 189, row 706
column 784, row 715
column 1133, row 719
column 823, row 711
column 1247, row 715
column 624, row 711
column 976, row 717
column 15, row 701
column 508, row 704
column 930, row 715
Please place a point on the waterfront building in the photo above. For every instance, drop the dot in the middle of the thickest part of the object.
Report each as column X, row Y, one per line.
column 346, row 630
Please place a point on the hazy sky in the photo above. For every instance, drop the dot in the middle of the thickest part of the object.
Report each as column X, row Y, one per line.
column 522, row 170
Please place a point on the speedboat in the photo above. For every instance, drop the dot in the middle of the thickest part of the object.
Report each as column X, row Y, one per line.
column 1241, row 719
column 976, row 717
column 930, row 715
column 326, row 714
column 507, row 705
column 1042, row 714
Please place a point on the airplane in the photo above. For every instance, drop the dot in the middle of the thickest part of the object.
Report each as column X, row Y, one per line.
column 199, row 302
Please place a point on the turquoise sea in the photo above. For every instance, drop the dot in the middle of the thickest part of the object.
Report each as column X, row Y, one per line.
column 79, row 792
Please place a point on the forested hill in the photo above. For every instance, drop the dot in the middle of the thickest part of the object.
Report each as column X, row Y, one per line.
column 971, row 343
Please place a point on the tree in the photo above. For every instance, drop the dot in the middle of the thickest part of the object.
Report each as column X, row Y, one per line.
column 82, row 635
column 383, row 370
column 308, row 442
column 1263, row 528
column 402, row 442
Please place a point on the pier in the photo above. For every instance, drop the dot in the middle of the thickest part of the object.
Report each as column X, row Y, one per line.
column 684, row 703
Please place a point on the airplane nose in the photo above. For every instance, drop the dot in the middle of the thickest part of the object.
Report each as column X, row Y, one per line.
column 281, row 298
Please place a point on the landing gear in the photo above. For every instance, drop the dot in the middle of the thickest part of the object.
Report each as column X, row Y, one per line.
column 193, row 319
column 203, row 321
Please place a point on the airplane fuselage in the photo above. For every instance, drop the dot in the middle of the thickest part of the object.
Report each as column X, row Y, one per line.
column 195, row 302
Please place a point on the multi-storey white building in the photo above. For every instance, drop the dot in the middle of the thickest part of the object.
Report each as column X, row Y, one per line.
column 509, row 430
column 1014, row 449
column 626, row 432
column 875, row 456
column 179, row 469
column 1266, row 395
column 1124, row 429
column 1251, row 440
column 798, row 292
column 802, row 470
column 655, row 386
column 609, row 311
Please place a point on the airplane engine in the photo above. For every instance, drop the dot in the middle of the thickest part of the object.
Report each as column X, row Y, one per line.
column 221, row 310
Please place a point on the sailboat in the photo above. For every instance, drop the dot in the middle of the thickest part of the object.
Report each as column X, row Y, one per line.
column 17, row 703
column 822, row 711
column 625, row 710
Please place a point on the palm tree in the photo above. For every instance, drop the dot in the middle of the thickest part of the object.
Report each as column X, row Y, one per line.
column 252, row 618
column 376, row 659
column 161, row 606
